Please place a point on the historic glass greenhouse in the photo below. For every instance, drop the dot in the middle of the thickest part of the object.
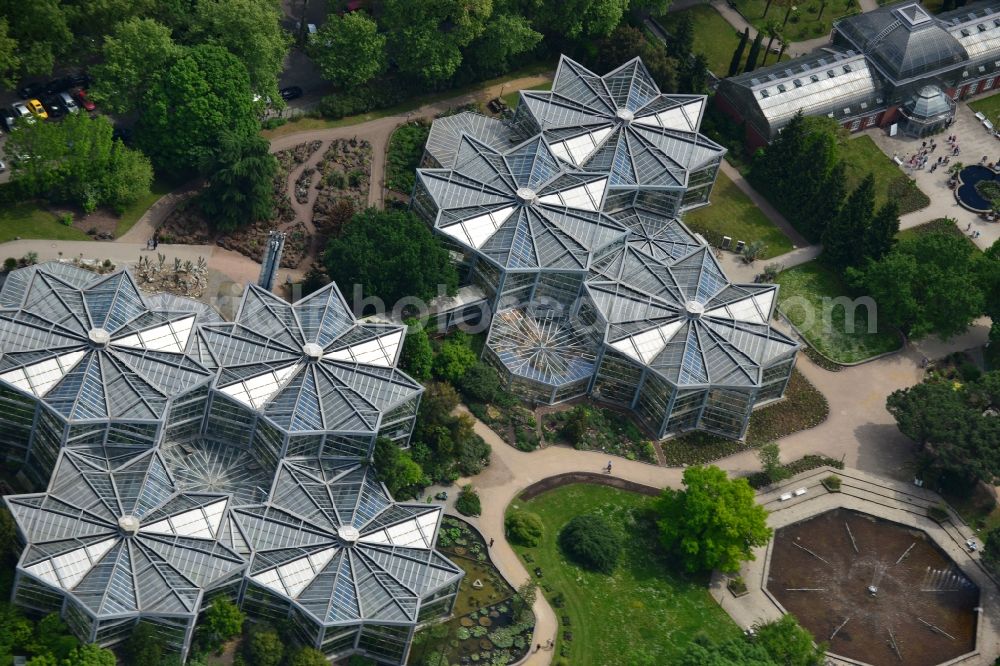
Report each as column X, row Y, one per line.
column 568, row 214
column 181, row 458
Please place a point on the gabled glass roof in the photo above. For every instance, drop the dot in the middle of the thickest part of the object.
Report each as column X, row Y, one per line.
column 331, row 539
column 685, row 320
column 519, row 208
column 620, row 124
column 307, row 366
column 91, row 347
column 121, row 540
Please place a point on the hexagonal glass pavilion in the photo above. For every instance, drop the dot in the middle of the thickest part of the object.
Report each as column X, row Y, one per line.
column 88, row 364
column 354, row 571
column 109, row 545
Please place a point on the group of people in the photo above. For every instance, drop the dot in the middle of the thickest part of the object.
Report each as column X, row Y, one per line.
column 153, row 242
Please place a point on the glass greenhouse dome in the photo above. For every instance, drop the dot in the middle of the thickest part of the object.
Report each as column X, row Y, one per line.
column 568, row 214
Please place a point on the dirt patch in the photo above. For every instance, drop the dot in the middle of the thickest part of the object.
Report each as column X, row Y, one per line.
column 99, row 225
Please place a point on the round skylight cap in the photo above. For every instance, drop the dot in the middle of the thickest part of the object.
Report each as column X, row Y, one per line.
column 625, row 116
column 694, row 309
column 99, row 336
column 312, row 351
column 526, row 195
column 129, row 525
column 348, row 534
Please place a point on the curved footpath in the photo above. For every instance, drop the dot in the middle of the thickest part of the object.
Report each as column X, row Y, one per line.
column 859, row 431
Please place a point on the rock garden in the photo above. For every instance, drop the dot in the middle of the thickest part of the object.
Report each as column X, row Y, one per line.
column 343, row 178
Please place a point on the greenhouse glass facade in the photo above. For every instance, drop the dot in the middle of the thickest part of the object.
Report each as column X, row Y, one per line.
column 569, row 215
column 157, row 434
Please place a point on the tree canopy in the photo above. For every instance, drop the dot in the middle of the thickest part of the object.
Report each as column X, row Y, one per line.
column 426, row 37
column 240, row 174
column 395, row 468
column 592, row 542
column 391, row 255
column 349, row 50
column 417, row 356
column 960, row 443
column 714, row 523
column 134, row 55
column 928, row 284
column 203, row 95
column 77, row 161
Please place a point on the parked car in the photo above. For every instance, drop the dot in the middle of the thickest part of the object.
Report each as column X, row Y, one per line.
column 36, row 108
column 21, row 111
column 81, row 79
column 81, row 98
column 7, row 118
column 67, row 101
column 3, row 167
column 290, row 93
column 53, row 104
column 29, row 90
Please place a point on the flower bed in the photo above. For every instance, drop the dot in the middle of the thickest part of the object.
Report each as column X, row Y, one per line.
column 803, row 464
column 804, row 407
column 344, row 176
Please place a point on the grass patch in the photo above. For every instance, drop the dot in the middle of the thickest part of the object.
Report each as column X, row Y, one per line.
column 132, row 213
column 733, row 214
column 941, row 225
column 861, row 156
column 812, row 285
column 645, row 612
column 513, row 98
column 804, row 23
column 406, row 147
column 30, row 220
column 988, row 106
column 713, row 36
column 306, row 123
column 804, row 407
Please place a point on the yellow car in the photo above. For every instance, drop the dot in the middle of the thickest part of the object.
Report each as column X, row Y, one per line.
column 37, row 109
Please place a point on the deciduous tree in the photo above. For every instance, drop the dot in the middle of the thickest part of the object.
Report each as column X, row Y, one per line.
column 391, row 255
column 10, row 61
column 349, row 50
column 417, row 357
column 201, row 97
column 250, row 30
column 426, row 37
column 714, row 523
column 135, row 54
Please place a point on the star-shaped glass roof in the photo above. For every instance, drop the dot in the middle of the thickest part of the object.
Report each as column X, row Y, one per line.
column 519, row 208
column 620, row 124
column 121, row 540
column 307, row 366
column 685, row 320
column 91, row 347
column 331, row 539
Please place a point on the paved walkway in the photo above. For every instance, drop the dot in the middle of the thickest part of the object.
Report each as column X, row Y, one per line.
column 974, row 142
column 735, row 19
column 798, row 240
column 859, row 431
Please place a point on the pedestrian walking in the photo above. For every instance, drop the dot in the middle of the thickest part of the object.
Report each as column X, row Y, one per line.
column 538, row 647
column 491, row 542
column 609, row 467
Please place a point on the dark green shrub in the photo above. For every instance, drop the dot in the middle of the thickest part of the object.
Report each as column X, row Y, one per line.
column 969, row 372
column 832, row 483
column 468, row 503
column 9, row 264
column 524, row 527
column 273, row 123
column 592, row 542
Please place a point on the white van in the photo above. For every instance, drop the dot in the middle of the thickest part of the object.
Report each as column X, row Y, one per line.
column 68, row 102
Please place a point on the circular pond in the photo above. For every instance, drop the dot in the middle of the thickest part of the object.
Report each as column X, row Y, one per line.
column 968, row 194
column 878, row 592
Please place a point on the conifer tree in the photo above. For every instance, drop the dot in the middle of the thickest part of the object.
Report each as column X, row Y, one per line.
column 882, row 233
column 734, row 64
column 844, row 238
column 754, row 53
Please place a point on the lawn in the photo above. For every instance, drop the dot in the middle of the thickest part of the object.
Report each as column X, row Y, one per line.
column 713, row 36
column 136, row 210
column 732, row 214
column 806, row 298
column 942, row 225
column 644, row 613
column 988, row 106
column 804, row 22
column 861, row 155
column 29, row 220
column 513, row 97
